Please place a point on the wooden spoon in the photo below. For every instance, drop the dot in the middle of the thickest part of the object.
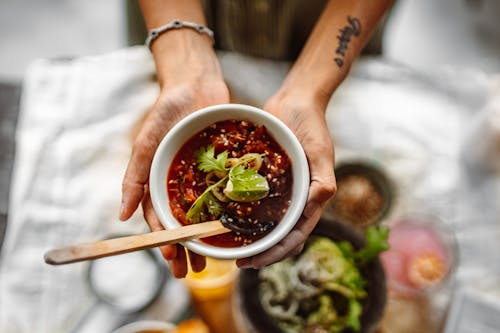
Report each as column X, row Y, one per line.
column 111, row 247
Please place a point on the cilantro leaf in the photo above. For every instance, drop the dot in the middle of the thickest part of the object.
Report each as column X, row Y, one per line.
column 246, row 184
column 207, row 161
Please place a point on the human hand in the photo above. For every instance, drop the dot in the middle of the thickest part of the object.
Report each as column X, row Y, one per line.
column 304, row 115
column 188, row 82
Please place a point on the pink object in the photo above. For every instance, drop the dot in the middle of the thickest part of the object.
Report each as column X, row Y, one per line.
column 419, row 258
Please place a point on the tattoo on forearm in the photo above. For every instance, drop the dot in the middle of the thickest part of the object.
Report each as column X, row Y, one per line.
column 352, row 29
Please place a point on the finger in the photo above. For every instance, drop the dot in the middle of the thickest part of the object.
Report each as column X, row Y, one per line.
column 178, row 265
column 174, row 253
column 137, row 173
column 197, row 261
column 323, row 184
column 168, row 252
column 297, row 250
column 244, row 262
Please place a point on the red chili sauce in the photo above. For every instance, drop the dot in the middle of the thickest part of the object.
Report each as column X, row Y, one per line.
column 185, row 182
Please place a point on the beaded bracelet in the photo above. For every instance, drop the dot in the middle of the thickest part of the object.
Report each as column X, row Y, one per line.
column 177, row 24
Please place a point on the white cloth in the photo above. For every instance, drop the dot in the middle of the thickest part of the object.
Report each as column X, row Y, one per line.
column 74, row 139
column 73, row 143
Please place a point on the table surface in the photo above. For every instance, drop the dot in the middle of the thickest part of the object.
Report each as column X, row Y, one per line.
column 9, row 108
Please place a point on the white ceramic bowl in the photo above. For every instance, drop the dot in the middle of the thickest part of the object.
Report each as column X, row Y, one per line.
column 196, row 122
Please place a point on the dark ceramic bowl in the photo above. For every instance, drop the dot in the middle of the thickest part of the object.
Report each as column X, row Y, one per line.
column 376, row 180
column 255, row 319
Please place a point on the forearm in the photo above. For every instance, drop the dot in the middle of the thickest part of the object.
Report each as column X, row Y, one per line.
column 160, row 12
column 337, row 39
column 179, row 50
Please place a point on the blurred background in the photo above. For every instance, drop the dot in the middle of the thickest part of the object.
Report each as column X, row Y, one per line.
column 53, row 29
column 428, row 95
column 418, row 33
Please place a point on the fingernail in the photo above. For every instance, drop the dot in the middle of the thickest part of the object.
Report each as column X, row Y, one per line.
column 122, row 210
column 244, row 263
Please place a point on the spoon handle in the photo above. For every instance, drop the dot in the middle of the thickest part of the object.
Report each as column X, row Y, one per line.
column 111, row 247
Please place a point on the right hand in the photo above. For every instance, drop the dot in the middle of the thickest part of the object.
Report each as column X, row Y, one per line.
column 190, row 79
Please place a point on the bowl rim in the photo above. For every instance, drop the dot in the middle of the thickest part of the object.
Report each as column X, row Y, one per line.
column 195, row 122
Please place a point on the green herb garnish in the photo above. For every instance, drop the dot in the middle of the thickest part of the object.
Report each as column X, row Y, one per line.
column 207, row 161
column 376, row 242
column 206, row 200
column 241, row 182
column 245, row 185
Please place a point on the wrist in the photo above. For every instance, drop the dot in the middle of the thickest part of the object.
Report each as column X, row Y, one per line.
column 313, row 84
column 297, row 97
column 184, row 53
column 175, row 25
column 316, row 76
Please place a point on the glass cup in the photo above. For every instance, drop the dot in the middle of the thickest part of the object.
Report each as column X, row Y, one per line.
column 211, row 292
column 422, row 257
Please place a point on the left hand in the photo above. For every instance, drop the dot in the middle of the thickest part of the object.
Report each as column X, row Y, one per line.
column 304, row 115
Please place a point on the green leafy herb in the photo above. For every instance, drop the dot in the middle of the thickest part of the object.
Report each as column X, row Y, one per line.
column 353, row 314
column 376, row 242
column 246, row 184
column 207, row 161
column 196, row 212
column 242, row 182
